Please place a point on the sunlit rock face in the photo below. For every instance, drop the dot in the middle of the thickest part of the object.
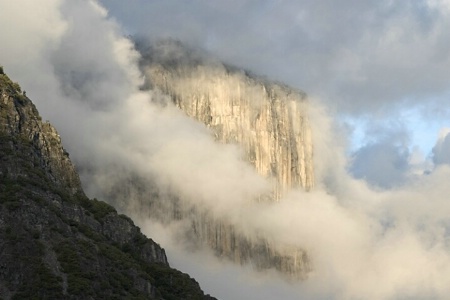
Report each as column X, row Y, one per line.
column 270, row 123
column 19, row 118
column 268, row 119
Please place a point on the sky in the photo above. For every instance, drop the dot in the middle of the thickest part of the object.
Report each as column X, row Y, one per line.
column 377, row 222
column 384, row 61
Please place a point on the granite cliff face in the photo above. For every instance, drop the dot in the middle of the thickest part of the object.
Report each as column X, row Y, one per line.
column 55, row 243
column 269, row 120
column 229, row 241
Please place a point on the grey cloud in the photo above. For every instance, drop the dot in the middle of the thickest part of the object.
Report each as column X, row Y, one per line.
column 381, row 164
column 384, row 160
column 441, row 151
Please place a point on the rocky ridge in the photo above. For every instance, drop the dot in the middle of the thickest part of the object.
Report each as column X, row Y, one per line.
column 55, row 243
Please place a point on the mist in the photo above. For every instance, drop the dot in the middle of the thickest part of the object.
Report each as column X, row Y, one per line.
column 376, row 225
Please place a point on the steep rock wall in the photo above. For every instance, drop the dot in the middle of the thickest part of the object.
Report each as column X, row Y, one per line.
column 19, row 119
column 269, row 120
column 230, row 242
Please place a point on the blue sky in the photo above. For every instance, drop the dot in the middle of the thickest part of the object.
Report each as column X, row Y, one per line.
column 423, row 133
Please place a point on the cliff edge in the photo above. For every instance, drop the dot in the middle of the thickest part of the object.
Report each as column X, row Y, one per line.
column 55, row 243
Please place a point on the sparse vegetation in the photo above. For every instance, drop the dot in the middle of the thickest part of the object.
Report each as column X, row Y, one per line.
column 98, row 208
column 51, row 235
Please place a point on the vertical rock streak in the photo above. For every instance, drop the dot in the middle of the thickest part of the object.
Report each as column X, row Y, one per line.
column 270, row 123
column 268, row 120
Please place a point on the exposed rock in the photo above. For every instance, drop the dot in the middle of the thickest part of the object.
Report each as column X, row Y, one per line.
column 229, row 242
column 268, row 119
column 55, row 243
column 20, row 121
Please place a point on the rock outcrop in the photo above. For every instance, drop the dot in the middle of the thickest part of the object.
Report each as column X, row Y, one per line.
column 55, row 243
column 20, row 120
column 269, row 120
column 230, row 242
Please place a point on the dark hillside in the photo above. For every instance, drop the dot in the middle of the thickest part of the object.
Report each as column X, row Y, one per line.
column 55, row 243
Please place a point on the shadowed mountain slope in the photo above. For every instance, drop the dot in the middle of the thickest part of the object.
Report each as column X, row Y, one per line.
column 55, row 243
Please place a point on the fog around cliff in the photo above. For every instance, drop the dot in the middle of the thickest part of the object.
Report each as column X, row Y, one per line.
column 376, row 224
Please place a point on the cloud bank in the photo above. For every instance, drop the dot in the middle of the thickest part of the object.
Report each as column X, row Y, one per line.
column 380, row 235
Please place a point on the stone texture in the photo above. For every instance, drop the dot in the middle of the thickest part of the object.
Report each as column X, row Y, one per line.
column 55, row 243
column 270, row 122
column 268, row 119
column 229, row 242
column 20, row 119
